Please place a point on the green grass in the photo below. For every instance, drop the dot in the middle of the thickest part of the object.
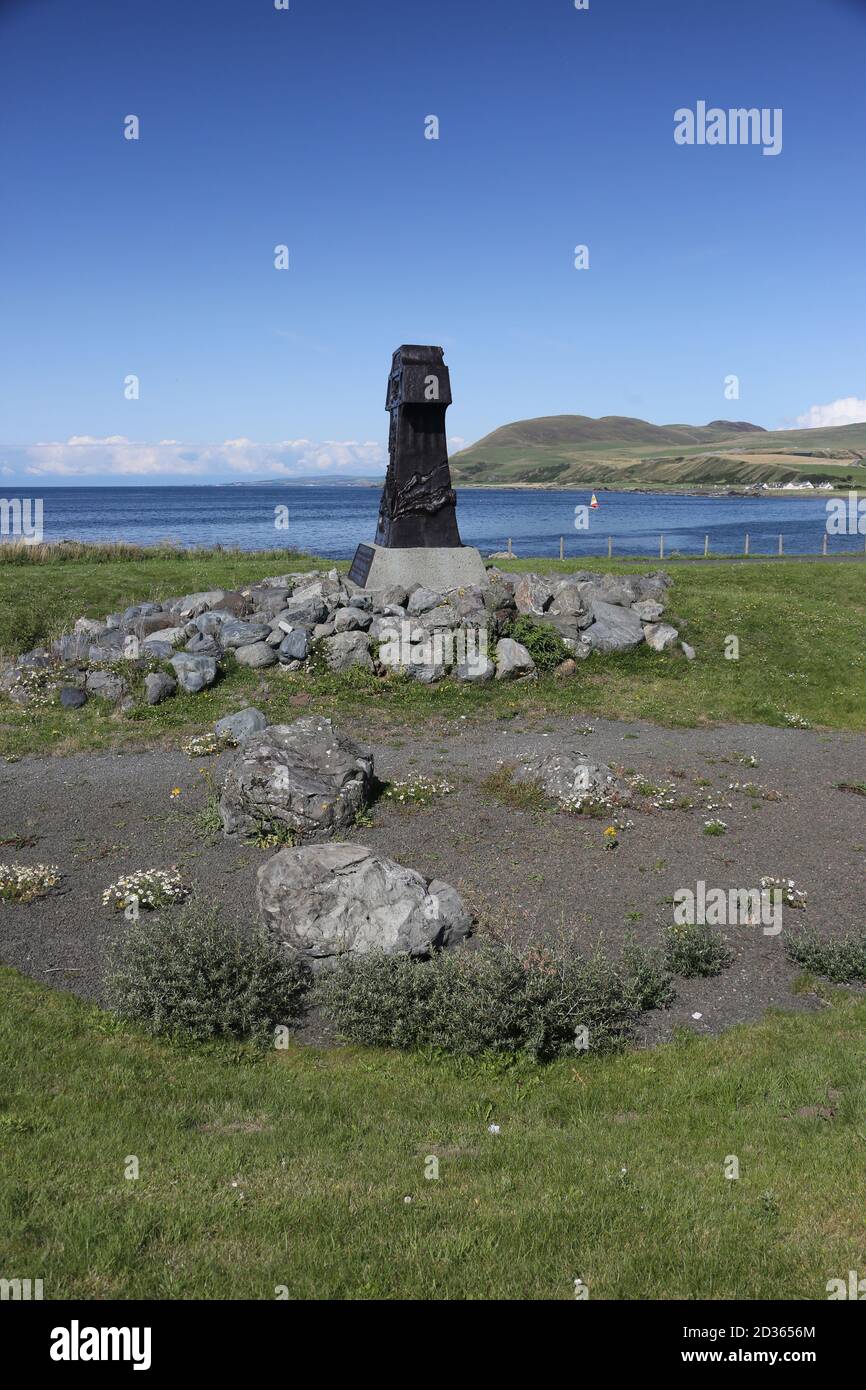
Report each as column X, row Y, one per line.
column 324, row 1146
column 799, row 627
column 42, row 593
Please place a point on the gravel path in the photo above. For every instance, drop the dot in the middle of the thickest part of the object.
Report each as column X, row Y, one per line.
column 526, row 873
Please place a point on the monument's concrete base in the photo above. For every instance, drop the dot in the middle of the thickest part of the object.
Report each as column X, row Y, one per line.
column 436, row 567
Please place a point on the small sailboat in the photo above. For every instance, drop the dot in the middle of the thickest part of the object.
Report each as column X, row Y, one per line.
column 594, row 502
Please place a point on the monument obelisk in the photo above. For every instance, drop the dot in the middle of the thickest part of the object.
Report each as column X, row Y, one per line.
column 417, row 540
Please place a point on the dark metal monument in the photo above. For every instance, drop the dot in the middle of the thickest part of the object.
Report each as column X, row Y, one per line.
column 417, row 525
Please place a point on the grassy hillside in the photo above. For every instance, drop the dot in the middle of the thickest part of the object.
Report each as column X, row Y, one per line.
column 616, row 451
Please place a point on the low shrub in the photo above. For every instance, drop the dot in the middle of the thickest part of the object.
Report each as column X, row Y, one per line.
column 543, row 643
column 695, row 949
column 195, row 975
column 842, row 960
column 489, row 999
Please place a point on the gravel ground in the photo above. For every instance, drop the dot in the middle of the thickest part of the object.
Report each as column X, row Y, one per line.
column 526, row 873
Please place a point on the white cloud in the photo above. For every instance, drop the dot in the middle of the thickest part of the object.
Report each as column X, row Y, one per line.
column 83, row 456
column 846, row 411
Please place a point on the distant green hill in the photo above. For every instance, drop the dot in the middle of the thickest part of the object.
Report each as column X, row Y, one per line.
column 618, row 451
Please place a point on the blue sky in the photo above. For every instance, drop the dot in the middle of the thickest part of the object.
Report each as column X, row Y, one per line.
column 306, row 128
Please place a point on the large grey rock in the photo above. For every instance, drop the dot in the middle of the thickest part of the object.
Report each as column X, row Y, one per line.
column 192, row 604
column 158, row 651
column 648, row 610
column 74, row 646
column 613, row 629
column 344, row 900
column 347, row 649
column 158, row 686
column 660, row 636
column 352, row 619
column 304, row 776
column 532, row 594
column 305, row 613
column 203, row 644
column 421, row 600
column 151, row 623
column 194, row 672
column 479, row 669
column 512, row 660
column 256, row 655
column 570, row 778
column 171, row 635
column 238, row 726
column 295, row 645
column 72, row 697
column 105, row 685
column 243, row 634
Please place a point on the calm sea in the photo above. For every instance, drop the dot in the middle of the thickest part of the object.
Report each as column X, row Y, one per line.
column 332, row 520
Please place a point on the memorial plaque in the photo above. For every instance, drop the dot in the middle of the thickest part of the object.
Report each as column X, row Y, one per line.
column 361, row 564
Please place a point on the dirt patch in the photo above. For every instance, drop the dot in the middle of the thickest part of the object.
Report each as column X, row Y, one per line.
column 529, row 872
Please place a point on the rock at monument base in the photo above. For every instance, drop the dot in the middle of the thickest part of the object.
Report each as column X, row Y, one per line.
column 347, row 649
column 256, row 655
column 304, row 776
column 72, row 697
column 613, row 629
column 688, row 652
column 158, row 687
column 331, row 901
column 194, row 672
column 512, row 660
column 105, row 685
column 295, row 645
column 238, row 726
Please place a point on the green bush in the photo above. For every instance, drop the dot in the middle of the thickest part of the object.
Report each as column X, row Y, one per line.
column 842, row 960
column 487, row 999
column 194, row 974
column 692, row 949
column 543, row 643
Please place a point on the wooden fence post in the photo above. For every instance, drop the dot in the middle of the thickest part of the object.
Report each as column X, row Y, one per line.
column 746, row 545
column 706, row 546
column 562, row 547
column 661, row 546
column 609, row 546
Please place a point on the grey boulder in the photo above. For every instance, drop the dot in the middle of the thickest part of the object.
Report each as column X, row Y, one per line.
column 347, row 649
column 194, row 672
column 238, row 726
column 345, row 900
column 241, row 634
column 256, row 655
column 512, row 660
column 295, row 646
column 158, row 686
column 304, row 776
column 613, row 629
